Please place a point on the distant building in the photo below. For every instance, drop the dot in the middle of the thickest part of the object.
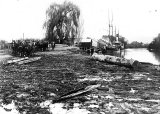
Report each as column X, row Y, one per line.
column 85, row 44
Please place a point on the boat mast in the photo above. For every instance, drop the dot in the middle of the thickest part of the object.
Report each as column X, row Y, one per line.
column 112, row 23
column 109, row 24
column 115, row 32
column 118, row 34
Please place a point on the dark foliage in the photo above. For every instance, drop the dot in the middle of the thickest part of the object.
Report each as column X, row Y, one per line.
column 155, row 44
column 136, row 44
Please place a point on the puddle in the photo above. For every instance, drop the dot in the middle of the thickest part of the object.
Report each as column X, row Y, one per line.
column 64, row 108
column 8, row 109
column 57, row 108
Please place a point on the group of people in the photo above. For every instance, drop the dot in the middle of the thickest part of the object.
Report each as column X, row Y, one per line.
column 26, row 48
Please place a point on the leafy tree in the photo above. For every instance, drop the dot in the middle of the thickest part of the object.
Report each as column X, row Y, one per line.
column 62, row 22
column 155, row 44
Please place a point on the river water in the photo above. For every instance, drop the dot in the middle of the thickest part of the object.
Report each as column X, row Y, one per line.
column 142, row 55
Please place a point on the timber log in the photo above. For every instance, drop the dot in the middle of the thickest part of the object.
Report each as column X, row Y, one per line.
column 116, row 60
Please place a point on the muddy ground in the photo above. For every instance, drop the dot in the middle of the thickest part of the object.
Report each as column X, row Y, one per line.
column 35, row 87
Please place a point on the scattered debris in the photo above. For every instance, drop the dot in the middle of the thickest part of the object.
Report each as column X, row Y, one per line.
column 133, row 91
column 9, row 109
column 149, row 79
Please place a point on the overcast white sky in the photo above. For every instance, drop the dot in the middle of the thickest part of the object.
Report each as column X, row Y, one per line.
column 137, row 20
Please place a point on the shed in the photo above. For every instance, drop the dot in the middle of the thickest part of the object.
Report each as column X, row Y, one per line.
column 85, row 44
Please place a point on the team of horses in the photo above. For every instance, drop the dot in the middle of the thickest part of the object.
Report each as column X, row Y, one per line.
column 26, row 48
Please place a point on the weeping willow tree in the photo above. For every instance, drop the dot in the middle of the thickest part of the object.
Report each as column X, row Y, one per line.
column 62, row 22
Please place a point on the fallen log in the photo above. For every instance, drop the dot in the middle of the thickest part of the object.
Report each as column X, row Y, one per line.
column 77, row 92
column 29, row 60
column 116, row 60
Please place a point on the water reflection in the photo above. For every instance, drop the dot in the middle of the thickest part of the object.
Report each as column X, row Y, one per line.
column 156, row 55
column 143, row 55
column 140, row 54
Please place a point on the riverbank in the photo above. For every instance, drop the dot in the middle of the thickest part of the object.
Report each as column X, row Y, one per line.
column 33, row 87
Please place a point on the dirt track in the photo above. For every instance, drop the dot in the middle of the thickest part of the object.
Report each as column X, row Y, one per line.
column 122, row 90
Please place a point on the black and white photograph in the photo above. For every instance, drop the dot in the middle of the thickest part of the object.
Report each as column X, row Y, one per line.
column 79, row 57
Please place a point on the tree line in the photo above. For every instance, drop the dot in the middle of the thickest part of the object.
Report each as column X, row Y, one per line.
column 136, row 44
column 155, row 44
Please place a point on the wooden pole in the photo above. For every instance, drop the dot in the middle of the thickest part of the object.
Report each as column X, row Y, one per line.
column 23, row 36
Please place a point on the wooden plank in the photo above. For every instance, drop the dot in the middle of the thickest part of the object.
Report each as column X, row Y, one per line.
column 16, row 60
column 29, row 60
column 78, row 92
